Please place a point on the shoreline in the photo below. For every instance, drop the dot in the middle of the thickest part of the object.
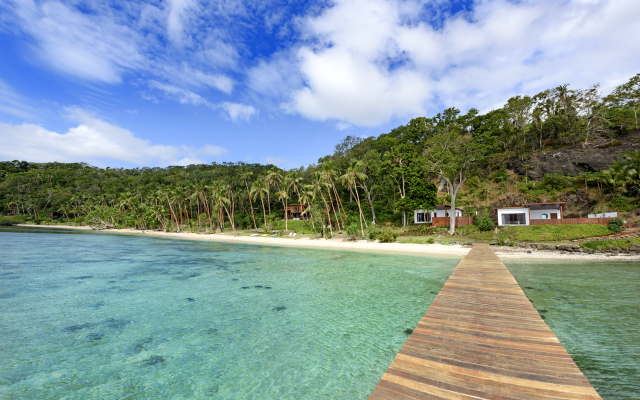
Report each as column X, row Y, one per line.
column 504, row 253
column 440, row 250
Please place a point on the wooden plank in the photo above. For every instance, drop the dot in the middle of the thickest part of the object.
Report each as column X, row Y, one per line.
column 482, row 339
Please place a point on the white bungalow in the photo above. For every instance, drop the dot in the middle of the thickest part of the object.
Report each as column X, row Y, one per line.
column 425, row 216
column 613, row 214
column 532, row 211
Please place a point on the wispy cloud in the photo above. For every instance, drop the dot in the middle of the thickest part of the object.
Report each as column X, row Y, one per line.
column 14, row 104
column 91, row 47
column 235, row 111
column 96, row 142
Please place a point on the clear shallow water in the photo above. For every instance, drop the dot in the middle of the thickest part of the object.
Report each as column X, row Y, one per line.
column 96, row 316
column 594, row 309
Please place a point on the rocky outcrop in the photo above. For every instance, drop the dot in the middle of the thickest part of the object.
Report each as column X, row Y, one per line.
column 595, row 156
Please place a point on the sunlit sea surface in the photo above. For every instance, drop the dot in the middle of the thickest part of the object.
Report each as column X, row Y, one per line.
column 104, row 316
column 594, row 309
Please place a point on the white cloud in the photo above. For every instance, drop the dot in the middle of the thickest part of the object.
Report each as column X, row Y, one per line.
column 363, row 64
column 179, row 13
column 91, row 47
column 237, row 111
column 93, row 141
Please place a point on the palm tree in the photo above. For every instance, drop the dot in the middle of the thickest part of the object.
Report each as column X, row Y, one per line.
column 258, row 188
column 617, row 176
column 328, row 173
column 245, row 173
column 633, row 161
column 273, row 176
column 296, row 182
column 318, row 185
column 351, row 178
column 307, row 197
column 283, row 195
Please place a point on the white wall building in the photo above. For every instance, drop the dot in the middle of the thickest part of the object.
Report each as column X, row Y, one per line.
column 613, row 214
column 426, row 216
column 532, row 211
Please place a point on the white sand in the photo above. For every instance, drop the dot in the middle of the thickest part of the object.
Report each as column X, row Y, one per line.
column 505, row 253
column 337, row 243
column 509, row 253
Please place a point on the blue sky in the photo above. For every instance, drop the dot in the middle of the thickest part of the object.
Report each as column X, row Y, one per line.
column 167, row 82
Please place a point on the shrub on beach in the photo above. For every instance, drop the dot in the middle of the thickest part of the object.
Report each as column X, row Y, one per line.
column 387, row 235
column 616, row 224
column 353, row 230
column 374, row 233
column 484, row 224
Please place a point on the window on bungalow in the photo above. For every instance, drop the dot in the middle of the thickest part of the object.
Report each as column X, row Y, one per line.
column 419, row 217
column 514, row 219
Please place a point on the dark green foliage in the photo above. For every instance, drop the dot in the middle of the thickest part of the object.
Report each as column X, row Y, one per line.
column 555, row 181
column 484, row 224
column 500, row 175
column 408, row 331
column 387, row 236
column 8, row 221
column 353, row 230
column 616, row 224
column 374, row 233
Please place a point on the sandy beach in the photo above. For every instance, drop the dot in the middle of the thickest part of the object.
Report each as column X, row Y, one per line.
column 505, row 253
column 336, row 243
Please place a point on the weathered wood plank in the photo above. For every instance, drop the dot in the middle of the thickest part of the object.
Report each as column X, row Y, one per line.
column 482, row 339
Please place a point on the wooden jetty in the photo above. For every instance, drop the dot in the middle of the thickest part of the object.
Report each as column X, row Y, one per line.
column 482, row 339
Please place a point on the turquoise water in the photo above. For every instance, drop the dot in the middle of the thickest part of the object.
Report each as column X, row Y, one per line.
column 99, row 316
column 594, row 309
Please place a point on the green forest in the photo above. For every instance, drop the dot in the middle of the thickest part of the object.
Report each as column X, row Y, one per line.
column 450, row 158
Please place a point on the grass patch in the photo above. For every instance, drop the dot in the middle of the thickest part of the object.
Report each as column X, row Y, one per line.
column 416, row 239
column 608, row 245
column 472, row 232
column 554, row 233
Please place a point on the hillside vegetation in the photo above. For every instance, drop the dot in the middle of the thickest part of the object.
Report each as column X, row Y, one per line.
column 576, row 146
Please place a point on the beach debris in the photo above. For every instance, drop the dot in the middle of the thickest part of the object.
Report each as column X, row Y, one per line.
column 83, row 277
column 190, row 299
column 408, row 331
column 280, row 308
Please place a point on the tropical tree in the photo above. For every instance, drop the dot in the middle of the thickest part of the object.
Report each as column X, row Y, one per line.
column 351, row 178
column 318, row 186
column 259, row 189
column 245, row 173
column 283, row 196
column 453, row 154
